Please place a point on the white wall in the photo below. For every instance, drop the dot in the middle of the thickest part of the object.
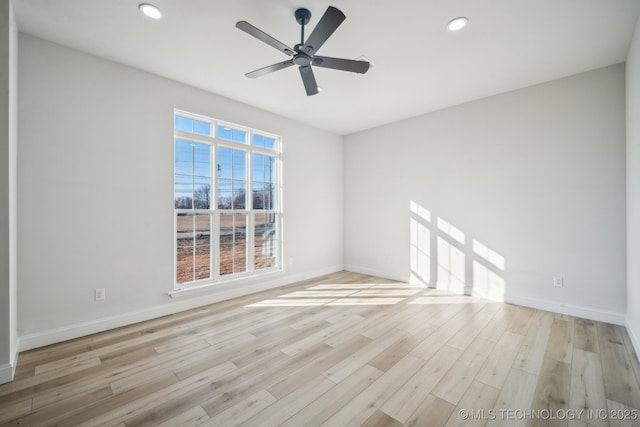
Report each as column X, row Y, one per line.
column 8, row 194
column 536, row 175
column 633, row 188
column 96, row 200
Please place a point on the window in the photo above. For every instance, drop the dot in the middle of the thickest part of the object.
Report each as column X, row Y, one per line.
column 226, row 200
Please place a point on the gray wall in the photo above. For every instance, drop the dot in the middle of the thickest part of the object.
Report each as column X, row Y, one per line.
column 96, row 200
column 534, row 178
column 8, row 193
column 633, row 189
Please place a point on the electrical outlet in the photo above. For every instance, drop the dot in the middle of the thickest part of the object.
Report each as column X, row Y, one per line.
column 291, row 261
column 100, row 294
column 558, row 281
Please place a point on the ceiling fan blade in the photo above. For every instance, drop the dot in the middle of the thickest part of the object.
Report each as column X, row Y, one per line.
column 266, row 38
column 269, row 69
column 309, row 80
column 329, row 22
column 352, row 65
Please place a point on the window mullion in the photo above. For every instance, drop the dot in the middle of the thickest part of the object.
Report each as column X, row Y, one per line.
column 243, row 219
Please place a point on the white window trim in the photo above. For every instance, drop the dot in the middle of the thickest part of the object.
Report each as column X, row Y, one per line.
column 215, row 143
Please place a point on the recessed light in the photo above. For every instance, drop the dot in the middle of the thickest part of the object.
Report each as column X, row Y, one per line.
column 457, row 23
column 150, row 11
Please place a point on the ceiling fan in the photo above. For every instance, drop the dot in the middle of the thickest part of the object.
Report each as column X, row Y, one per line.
column 304, row 53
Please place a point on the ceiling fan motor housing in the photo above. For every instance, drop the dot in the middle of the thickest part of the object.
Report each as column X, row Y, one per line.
column 303, row 16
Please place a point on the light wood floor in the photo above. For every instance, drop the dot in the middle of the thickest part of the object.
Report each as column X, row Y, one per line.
column 341, row 350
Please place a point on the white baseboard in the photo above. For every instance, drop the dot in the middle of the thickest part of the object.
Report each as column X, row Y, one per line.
column 8, row 370
column 197, row 298
column 377, row 273
column 591, row 313
column 633, row 336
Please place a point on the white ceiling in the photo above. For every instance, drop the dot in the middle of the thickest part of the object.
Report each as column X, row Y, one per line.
column 420, row 66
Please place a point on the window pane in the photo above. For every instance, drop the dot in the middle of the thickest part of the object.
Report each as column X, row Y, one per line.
column 225, row 163
column 184, row 265
column 202, row 159
column 183, row 157
column 183, row 123
column 183, row 192
column 184, row 230
column 202, row 251
column 264, row 168
column 264, row 141
column 202, row 193
column 264, row 181
column 184, row 248
column 230, row 134
column 232, row 175
column 263, row 196
column 225, row 194
column 240, row 237
column 233, row 239
column 265, row 241
column 203, row 128
column 239, row 165
column 239, row 194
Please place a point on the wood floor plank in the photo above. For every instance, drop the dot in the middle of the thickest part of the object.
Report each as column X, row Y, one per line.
column 433, row 411
column 400, row 349
column 465, row 336
column 499, row 323
column 552, row 392
column 380, row 419
column 341, row 349
column 478, row 399
column 560, row 344
column 320, row 336
column 457, row 379
column 621, row 415
column 131, row 409
column 587, row 385
column 246, row 383
column 363, row 406
column 330, row 402
column 299, row 377
column 522, row 320
column 285, row 408
column 409, row 397
column 15, row 410
column 191, row 418
column 619, row 379
column 494, row 372
column 631, row 351
column 534, row 346
column 585, row 335
column 242, row 411
column 516, row 393
column 346, row 367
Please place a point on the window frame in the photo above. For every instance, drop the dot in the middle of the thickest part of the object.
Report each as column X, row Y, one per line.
column 216, row 213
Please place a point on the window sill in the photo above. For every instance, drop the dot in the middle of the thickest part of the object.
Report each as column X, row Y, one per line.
column 225, row 284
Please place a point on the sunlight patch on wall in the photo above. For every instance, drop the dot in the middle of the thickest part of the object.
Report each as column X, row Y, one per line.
column 451, row 267
column 443, row 256
column 419, row 244
column 422, row 212
column 486, row 283
column 451, row 231
column 494, row 258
